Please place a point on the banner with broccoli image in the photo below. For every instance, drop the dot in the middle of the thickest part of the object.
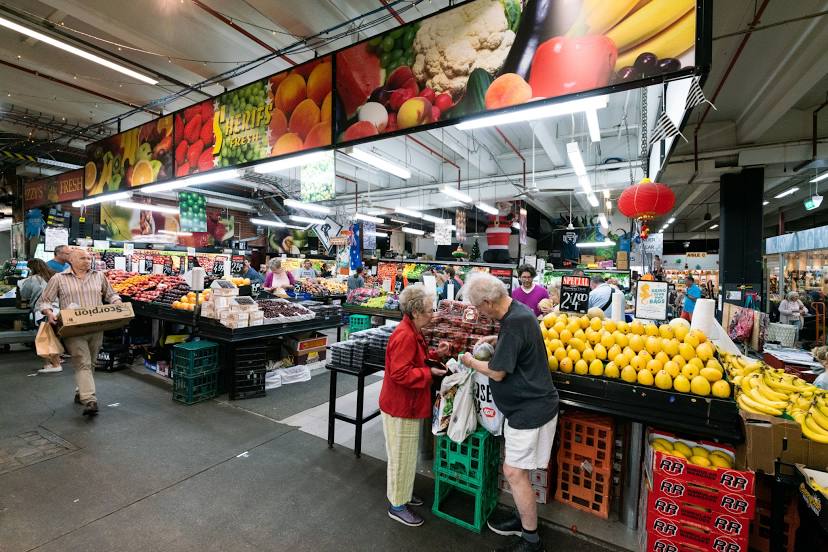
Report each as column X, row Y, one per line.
column 491, row 54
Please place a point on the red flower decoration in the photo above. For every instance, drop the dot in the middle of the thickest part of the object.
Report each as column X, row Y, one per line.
column 646, row 200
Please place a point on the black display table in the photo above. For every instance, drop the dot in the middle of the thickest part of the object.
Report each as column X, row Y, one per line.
column 360, row 419
column 353, row 309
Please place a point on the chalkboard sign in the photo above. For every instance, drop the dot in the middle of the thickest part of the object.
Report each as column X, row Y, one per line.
column 218, row 267
column 168, row 268
column 574, row 294
column 236, row 264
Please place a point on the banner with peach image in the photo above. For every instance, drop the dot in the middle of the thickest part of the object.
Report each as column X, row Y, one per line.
column 490, row 54
column 288, row 112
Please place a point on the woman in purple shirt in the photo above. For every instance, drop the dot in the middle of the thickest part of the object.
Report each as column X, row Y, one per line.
column 529, row 293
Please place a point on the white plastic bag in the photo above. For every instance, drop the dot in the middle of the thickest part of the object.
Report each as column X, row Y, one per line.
column 463, row 420
column 444, row 404
column 488, row 414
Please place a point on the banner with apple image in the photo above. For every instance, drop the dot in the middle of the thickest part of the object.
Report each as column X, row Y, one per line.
column 128, row 160
column 490, row 54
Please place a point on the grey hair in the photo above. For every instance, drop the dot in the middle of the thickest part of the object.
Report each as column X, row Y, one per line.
column 416, row 299
column 792, row 295
column 482, row 287
column 274, row 264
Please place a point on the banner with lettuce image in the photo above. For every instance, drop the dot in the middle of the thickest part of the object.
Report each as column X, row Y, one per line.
column 491, row 54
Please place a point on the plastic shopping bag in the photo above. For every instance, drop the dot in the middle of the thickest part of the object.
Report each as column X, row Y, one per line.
column 488, row 414
column 47, row 343
column 463, row 420
column 444, row 404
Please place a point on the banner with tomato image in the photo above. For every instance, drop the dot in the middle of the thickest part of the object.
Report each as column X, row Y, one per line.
column 282, row 114
column 491, row 54
column 130, row 159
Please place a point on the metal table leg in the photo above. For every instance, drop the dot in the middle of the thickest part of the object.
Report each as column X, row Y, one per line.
column 359, row 420
column 332, row 410
column 632, row 476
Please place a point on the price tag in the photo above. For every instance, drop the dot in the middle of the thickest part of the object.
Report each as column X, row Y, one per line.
column 128, row 249
column 237, row 264
column 218, row 269
column 81, row 219
column 297, row 287
column 120, row 263
column 191, row 251
column 574, row 294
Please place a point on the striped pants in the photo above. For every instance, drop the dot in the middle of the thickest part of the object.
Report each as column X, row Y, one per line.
column 402, row 437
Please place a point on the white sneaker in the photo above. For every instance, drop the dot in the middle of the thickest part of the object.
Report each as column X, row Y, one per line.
column 50, row 370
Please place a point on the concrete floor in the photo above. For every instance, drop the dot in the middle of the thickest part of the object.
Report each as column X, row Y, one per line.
column 149, row 474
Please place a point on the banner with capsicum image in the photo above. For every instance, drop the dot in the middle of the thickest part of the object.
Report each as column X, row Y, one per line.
column 282, row 114
column 490, row 54
column 131, row 159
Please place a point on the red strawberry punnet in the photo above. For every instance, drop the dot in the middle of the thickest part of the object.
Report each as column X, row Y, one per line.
column 181, row 152
column 207, row 132
column 192, row 129
column 207, row 111
column 205, row 160
column 194, row 152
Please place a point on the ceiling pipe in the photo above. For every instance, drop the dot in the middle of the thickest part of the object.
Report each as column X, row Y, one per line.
column 436, row 153
column 231, row 24
column 514, row 149
column 393, row 12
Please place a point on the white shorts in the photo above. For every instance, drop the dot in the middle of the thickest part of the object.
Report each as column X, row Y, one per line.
column 530, row 449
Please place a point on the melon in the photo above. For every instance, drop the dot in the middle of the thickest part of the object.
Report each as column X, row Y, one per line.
column 358, row 73
column 595, row 312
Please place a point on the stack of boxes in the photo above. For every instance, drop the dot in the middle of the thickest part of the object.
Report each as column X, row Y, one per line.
column 690, row 508
column 230, row 309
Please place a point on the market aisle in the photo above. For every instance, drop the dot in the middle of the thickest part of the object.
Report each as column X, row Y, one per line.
column 149, row 474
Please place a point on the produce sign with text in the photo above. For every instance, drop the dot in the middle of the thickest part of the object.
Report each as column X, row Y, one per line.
column 574, row 294
column 490, row 54
column 130, row 159
column 62, row 188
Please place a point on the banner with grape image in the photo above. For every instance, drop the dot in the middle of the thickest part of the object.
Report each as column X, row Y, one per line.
column 193, row 210
column 288, row 112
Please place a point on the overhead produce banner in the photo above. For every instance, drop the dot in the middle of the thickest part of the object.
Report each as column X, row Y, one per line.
column 286, row 241
column 62, row 188
column 142, row 155
column 491, row 54
column 193, row 210
column 122, row 224
column 318, row 179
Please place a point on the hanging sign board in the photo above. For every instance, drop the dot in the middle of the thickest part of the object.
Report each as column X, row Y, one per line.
column 575, row 294
column 651, row 300
column 56, row 237
column 61, row 188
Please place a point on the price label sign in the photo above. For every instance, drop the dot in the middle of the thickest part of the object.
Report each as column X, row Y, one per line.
column 236, row 264
column 168, row 268
column 297, row 287
column 651, row 300
column 218, row 267
column 255, row 288
column 574, row 294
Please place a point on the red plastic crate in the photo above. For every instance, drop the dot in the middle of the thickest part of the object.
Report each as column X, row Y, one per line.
column 583, row 490
column 588, row 436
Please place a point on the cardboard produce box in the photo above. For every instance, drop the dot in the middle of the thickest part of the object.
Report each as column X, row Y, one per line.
column 86, row 320
column 768, row 438
column 622, row 260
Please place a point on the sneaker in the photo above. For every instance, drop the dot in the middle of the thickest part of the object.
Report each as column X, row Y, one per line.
column 405, row 516
column 50, row 369
column 415, row 501
column 523, row 545
column 507, row 526
column 91, row 409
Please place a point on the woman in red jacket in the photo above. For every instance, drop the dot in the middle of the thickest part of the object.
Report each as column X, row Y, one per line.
column 405, row 399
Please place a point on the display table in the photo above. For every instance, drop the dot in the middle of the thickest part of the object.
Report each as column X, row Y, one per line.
column 360, row 419
column 353, row 309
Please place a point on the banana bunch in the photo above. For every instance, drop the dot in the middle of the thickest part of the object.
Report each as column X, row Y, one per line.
column 814, row 422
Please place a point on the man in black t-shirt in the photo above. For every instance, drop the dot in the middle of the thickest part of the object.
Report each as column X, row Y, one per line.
column 523, row 390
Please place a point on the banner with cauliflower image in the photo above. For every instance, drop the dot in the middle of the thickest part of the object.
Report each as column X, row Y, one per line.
column 490, row 54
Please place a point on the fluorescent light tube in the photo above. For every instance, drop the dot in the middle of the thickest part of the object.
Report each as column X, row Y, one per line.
column 102, row 199
column 593, row 125
column 377, row 234
column 307, row 206
column 486, row 208
column 434, row 220
column 61, row 164
column 575, row 158
column 456, row 194
column 765, row 202
column 409, row 230
column 604, row 243
column 408, row 212
column 538, row 112
column 820, row 178
column 786, row 193
column 174, row 233
column 398, row 221
column 592, row 199
column 379, row 163
column 714, row 226
column 602, row 218
column 308, row 220
column 369, row 218
column 190, row 181
column 583, row 180
column 290, row 162
column 265, row 222
column 231, row 204
column 147, row 207
column 77, row 51
column 671, row 220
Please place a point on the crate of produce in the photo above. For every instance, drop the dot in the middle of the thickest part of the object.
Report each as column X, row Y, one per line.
column 586, row 490
column 358, row 322
column 303, row 344
column 195, row 357
column 195, row 388
column 586, row 437
column 470, row 461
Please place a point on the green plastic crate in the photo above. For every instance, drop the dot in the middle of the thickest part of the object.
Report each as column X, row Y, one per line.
column 359, row 322
column 195, row 357
column 194, row 389
column 484, row 494
column 470, row 460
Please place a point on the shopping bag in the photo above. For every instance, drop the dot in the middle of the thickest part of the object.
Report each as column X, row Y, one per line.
column 444, row 404
column 488, row 414
column 463, row 420
column 47, row 343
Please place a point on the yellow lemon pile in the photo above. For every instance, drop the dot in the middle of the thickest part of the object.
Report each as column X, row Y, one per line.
column 694, row 453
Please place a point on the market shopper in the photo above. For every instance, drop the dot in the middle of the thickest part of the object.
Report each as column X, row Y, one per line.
column 529, row 293
column 601, row 295
column 307, row 270
column 251, row 273
column 692, row 293
column 277, row 277
column 405, row 400
column 523, row 390
column 355, row 280
column 791, row 310
column 60, row 262
column 80, row 286
column 30, row 291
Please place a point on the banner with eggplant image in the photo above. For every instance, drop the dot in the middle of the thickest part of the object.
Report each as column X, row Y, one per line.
column 490, row 54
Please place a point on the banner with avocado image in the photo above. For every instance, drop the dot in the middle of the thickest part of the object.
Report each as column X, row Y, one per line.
column 490, row 54
column 128, row 160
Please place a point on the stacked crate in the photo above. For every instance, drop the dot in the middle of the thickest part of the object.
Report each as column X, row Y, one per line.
column 247, row 364
column 760, row 529
column 541, row 480
column 195, row 371
column 585, row 461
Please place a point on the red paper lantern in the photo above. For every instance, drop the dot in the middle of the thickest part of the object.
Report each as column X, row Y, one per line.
column 646, row 200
